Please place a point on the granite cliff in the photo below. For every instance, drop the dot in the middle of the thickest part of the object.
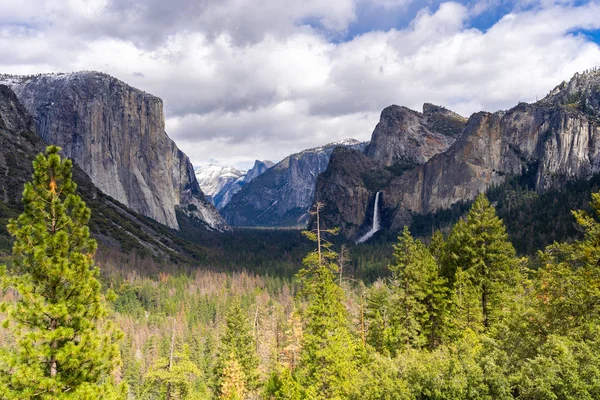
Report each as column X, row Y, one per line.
column 547, row 143
column 220, row 183
column 113, row 224
column 283, row 194
column 116, row 134
column 405, row 137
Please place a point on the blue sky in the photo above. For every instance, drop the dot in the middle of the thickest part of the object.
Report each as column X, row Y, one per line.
column 260, row 79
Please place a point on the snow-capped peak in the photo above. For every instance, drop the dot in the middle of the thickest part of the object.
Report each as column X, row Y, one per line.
column 212, row 178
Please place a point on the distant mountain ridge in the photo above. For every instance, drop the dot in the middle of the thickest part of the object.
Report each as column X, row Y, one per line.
column 220, row 183
column 283, row 194
column 547, row 143
column 116, row 134
column 212, row 178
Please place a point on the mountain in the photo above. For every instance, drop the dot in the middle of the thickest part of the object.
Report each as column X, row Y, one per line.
column 116, row 135
column 220, row 183
column 405, row 137
column 545, row 144
column 113, row 224
column 212, row 178
column 283, row 194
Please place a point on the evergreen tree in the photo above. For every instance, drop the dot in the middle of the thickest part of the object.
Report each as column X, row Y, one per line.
column 418, row 295
column 233, row 386
column 65, row 349
column 568, row 285
column 282, row 386
column 466, row 303
column 378, row 314
column 479, row 246
column 172, row 378
column 237, row 343
column 436, row 246
column 328, row 365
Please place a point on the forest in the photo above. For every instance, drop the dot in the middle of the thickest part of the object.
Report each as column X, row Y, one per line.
column 458, row 315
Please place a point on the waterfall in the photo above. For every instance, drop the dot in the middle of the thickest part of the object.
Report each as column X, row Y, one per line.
column 375, row 226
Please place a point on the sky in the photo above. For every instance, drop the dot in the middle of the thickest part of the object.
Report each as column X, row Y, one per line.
column 261, row 79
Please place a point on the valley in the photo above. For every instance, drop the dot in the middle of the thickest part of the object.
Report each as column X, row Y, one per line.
column 446, row 258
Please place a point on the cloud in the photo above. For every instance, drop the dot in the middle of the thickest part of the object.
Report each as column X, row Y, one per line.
column 245, row 79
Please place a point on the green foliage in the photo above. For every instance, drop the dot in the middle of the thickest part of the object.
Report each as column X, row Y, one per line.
column 568, row 285
column 282, row 386
column 244, row 336
column 564, row 369
column 236, row 368
column 479, row 247
column 377, row 179
column 173, row 379
column 64, row 346
column 411, row 313
column 328, row 364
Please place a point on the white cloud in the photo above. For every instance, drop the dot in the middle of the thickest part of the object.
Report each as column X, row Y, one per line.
column 243, row 79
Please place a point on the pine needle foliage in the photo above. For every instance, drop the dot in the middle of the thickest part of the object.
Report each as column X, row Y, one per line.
column 237, row 352
column 479, row 247
column 328, row 365
column 64, row 346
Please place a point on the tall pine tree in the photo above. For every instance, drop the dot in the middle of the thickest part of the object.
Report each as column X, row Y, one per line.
column 568, row 285
column 64, row 347
column 237, row 352
column 327, row 367
column 418, row 297
column 479, row 247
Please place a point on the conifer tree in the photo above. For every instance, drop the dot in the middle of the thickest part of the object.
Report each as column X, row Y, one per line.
column 172, row 378
column 64, row 347
column 237, row 343
column 378, row 314
column 419, row 295
column 479, row 246
column 328, row 365
column 233, row 385
column 568, row 285
column 436, row 247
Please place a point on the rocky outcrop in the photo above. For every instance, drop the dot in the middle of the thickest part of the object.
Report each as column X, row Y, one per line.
column 224, row 196
column 404, row 136
column 116, row 134
column 546, row 143
column 114, row 225
column 346, row 188
column 213, row 178
column 283, row 194
column 18, row 146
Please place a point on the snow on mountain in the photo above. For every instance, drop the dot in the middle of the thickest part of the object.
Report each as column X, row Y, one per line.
column 212, row 178
column 220, row 183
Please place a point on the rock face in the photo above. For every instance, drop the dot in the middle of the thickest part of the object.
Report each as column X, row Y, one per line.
column 546, row 143
column 283, row 194
column 346, row 190
column 113, row 224
column 19, row 144
column 404, row 136
column 225, row 195
column 212, row 178
column 116, row 134
column 220, row 183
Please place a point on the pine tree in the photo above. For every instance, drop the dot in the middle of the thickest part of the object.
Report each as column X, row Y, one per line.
column 479, row 246
column 378, row 314
column 233, row 386
column 172, row 378
column 237, row 342
column 65, row 349
column 328, row 359
column 568, row 285
column 419, row 296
